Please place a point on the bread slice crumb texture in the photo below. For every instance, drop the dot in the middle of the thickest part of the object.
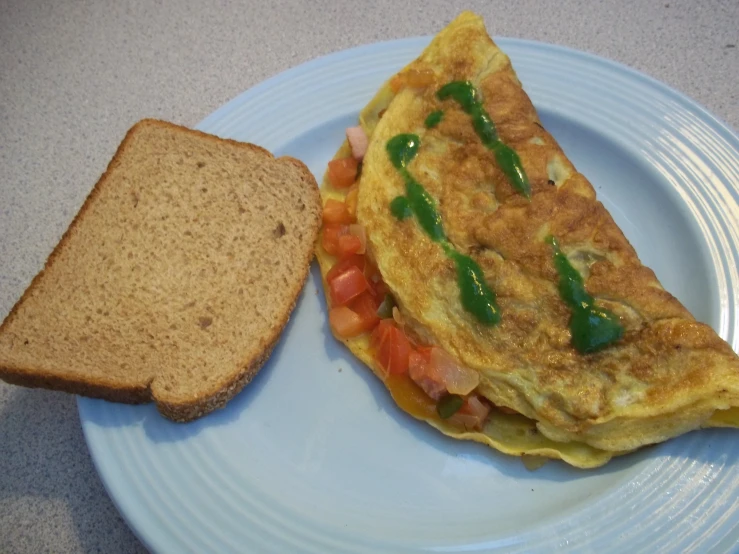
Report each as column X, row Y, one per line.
column 175, row 279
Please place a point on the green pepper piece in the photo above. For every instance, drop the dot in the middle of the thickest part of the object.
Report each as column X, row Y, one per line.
column 449, row 405
column 385, row 310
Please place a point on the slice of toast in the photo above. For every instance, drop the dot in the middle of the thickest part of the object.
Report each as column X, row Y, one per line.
column 175, row 279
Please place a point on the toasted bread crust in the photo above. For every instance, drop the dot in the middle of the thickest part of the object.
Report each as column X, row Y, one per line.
column 188, row 411
column 184, row 412
column 28, row 377
column 136, row 391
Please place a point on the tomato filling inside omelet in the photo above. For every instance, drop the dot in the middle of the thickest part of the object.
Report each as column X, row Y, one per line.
column 424, row 379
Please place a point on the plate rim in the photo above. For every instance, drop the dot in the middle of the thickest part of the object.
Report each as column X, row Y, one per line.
column 420, row 40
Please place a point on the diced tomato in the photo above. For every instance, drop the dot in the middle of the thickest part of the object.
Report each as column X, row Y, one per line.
column 346, row 286
column 377, row 285
column 473, row 413
column 368, row 301
column 335, row 211
column 379, row 334
column 376, row 288
column 379, row 289
column 371, row 273
column 399, row 348
column 331, row 234
column 345, row 263
column 345, row 322
column 342, row 172
column 391, row 347
column 348, row 245
column 351, row 201
column 366, row 307
column 419, row 364
column 356, row 318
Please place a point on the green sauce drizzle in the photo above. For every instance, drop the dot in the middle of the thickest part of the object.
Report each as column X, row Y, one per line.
column 510, row 163
column 402, row 149
column 466, row 96
column 477, row 297
column 400, row 208
column 592, row 328
column 424, row 208
column 475, row 294
column 433, row 119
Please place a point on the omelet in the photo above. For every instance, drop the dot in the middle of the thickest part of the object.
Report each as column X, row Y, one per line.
column 488, row 248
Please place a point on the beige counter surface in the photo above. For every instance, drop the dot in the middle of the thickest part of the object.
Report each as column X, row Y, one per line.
column 74, row 76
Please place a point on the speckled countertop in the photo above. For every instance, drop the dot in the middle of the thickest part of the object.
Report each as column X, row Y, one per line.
column 74, row 76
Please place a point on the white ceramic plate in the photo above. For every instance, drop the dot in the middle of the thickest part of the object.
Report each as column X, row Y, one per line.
column 314, row 457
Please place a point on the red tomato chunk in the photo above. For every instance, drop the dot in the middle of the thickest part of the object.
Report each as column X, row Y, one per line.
column 342, row 172
column 347, row 285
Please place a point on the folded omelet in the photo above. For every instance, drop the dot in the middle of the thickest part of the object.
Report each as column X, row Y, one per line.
column 493, row 248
